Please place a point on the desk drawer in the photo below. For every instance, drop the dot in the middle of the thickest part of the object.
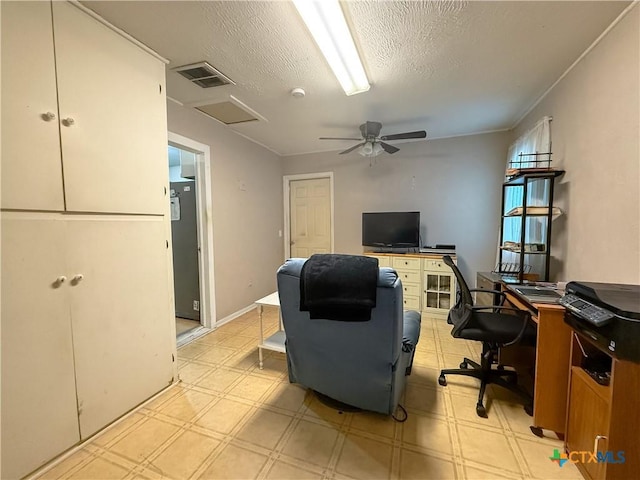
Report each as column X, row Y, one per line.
column 406, row 263
column 409, row 276
column 436, row 265
column 410, row 289
column 411, row 302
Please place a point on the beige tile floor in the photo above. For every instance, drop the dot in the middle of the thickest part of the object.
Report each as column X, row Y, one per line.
column 228, row 419
column 184, row 325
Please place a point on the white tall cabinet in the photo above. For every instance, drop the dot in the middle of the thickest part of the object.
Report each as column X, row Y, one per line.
column 86, row 302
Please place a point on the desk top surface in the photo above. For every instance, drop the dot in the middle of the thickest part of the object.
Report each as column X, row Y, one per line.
column 514, row 297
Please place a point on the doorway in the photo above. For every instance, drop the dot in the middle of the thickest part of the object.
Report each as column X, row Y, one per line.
column 308, row 213
column 192, row 237
column 184, row 239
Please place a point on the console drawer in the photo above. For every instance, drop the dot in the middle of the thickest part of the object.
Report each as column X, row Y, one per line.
column 409, row 276
column 411, row 302
column 406, row 263
column 411, row 290
column 436, row 265
column 383, row 261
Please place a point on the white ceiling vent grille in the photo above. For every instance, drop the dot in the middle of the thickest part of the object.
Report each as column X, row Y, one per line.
column 230, row 112
column 204, row 75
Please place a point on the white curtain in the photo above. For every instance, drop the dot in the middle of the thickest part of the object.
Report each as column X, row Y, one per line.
column 535, row 140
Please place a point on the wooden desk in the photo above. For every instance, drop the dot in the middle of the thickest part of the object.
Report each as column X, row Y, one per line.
column 553, row 362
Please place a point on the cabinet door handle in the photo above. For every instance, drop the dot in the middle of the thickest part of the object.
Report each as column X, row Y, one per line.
column 77, row 279
column 59, row 281
column 596, row 441
column 67, row 122
column 47, row 117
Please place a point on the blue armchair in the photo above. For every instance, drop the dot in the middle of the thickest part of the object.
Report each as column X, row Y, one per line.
column 360, row 363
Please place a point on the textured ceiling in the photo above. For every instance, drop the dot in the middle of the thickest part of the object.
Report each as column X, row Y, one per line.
column 449, row 67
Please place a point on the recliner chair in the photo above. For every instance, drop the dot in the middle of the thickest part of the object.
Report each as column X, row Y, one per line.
column 495, row 329
column 359, row 363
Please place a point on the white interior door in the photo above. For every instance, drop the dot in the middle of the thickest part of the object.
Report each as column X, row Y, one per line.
column 114, row 153
column 39, row 411
column 31, row 165
column 310, row 216
column 121, row 314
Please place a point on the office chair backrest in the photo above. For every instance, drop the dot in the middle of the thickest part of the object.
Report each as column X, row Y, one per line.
column 460, row 314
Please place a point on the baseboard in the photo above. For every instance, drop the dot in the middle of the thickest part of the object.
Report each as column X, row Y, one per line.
column 233, row 316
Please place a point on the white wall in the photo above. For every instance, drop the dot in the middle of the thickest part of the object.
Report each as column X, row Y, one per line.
column 247, row 209
column 595, row 133
column 455, row 184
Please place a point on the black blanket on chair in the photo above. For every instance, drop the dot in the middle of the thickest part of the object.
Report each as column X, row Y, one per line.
column 339, row 287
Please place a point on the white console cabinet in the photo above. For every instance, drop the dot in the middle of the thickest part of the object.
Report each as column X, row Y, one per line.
column 428, row 284
column 86, row 302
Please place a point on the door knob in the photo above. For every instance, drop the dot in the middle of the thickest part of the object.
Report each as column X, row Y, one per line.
column 67, row 122
column 77, row 279
column 59, row 281
column 47, row 117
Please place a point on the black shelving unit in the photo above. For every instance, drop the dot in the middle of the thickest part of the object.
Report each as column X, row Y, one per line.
column 525, row 230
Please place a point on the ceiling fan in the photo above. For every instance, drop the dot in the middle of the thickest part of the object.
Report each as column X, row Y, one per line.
column 372, row 143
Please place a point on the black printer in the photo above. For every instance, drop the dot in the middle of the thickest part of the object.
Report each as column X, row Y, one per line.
column 608, row 313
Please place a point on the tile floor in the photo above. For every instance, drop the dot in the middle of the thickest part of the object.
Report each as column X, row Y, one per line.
column 184, row 325
column 228, row 419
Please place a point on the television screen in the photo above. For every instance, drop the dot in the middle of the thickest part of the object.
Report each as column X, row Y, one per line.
column 391, row 229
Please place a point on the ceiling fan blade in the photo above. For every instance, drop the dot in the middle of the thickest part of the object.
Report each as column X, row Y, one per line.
column 369, row 129
column 389, row 148
column 348, row 150
column 339, row 138
column 406, row 135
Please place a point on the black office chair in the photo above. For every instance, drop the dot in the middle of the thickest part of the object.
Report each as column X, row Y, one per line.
column 495, row 329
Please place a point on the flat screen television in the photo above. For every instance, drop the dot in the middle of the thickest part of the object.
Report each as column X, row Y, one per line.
column 391, row 229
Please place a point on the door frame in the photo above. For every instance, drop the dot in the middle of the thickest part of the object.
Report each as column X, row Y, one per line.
column 286, row 180
column 205, row 225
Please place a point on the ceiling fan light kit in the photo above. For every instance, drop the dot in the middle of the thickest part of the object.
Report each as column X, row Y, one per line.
column 371, row 149
column 328, row 26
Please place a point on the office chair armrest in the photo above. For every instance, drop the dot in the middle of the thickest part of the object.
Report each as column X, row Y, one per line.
column 496, row 307
column 525, row 321
column 520, row 313
column 496, row 292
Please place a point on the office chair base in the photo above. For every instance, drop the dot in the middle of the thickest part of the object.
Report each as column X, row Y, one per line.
column 507, row 379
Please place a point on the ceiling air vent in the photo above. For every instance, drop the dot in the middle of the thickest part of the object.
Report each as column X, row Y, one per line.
column 230, row 112
column 204, row 75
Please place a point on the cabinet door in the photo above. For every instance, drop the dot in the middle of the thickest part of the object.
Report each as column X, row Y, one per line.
column 588, row 417
column 121, row 314
column 115, row 152
column 31, row 168
column 39, row 411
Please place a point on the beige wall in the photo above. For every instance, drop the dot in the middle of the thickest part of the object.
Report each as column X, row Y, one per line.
column 595, row 133
column 454, row 183
column 247, row 210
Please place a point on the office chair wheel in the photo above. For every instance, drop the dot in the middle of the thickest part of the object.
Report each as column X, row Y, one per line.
column 481, row 411
column 442, row 380
column 464, row 365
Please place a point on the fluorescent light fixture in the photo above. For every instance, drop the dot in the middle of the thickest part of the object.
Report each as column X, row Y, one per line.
column 325, row 20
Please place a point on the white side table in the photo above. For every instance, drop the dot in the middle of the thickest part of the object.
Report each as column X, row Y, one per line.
column 274, row 342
